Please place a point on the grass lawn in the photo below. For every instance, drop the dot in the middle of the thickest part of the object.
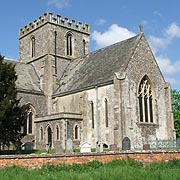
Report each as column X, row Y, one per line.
column 115, row 170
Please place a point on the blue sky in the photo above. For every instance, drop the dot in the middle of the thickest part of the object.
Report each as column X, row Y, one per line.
column 108, row 20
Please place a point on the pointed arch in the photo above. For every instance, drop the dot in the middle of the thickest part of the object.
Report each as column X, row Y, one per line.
column 69, row 44
column 106, row 112
column 146, row 100
column 33, row 44
column 49, row 136
column 57, row 130
column 76, row 132
column 29, row 125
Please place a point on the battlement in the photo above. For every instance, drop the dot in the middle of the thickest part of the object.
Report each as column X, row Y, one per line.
column 56, row 19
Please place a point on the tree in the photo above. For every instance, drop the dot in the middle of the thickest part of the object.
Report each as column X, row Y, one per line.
column 176, row 110
column 12, row 114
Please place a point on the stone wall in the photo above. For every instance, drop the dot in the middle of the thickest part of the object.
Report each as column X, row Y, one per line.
column 37, row 161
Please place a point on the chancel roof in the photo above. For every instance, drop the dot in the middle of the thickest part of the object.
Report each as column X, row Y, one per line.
column 97, row 68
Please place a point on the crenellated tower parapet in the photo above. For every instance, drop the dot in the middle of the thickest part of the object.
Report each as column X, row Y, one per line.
column 54, row 19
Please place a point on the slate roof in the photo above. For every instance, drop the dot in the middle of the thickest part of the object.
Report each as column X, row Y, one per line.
column 28, row 79
column 97, row 68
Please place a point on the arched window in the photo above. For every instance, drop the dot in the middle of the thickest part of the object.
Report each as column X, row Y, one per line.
column 92, row 113
column 106, row 112
column 76, row 132
column 41, row 134
column 57, row 132
column 33, row 46
column 30, row 116
column 145, row 96
column 84, row 46
column 69, row 44
column 29, row 124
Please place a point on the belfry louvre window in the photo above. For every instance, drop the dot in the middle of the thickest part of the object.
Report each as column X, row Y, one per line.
column 69, row 44
column 33, row 46
column 145, row 96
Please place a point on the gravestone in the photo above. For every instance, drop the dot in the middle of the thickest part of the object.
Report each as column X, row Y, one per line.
column 85, row 148
column 59, row 149
column 69, row 146
column 28, row 146
column 126, row 144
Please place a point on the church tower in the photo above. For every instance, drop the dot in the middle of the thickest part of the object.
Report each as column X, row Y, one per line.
column 50, row 43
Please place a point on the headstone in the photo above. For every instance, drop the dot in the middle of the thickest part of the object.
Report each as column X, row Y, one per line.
column 47, row 148
column 28, row 146
column 146, row 146
column 69, row 146
column 59, row 149
column 126, row 144
column 113, row 147
column 85, row 148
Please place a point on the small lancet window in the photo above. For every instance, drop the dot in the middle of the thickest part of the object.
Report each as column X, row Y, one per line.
column 84, row 47
column 41, row 133
column 30, row 116
column 33, row 46
column 76, row 131
column 145, row 97
column 69, row 44
column 92, row 113
column 57, row 132
column 106, row 112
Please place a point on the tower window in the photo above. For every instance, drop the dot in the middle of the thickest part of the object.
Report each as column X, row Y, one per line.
column 84, row 46
column 69, row 44
column 145, row 97
column 33, row 46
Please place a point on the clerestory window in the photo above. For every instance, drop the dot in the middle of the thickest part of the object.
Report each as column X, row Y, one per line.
column 145, row 96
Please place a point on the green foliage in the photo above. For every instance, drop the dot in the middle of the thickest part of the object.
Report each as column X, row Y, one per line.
column 176, row 110
column 117, row 169
column 12, row 115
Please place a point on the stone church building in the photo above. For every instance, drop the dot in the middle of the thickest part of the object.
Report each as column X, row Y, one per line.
column 114, row 96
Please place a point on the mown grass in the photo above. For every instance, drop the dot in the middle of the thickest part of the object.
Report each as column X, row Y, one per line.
column 115, row 170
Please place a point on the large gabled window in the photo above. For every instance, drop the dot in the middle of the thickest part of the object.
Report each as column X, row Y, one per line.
column 145, row 96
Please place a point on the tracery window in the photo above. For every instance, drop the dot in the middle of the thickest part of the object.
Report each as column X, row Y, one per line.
column 69, row 44
column 29, row 124
column 145, row 96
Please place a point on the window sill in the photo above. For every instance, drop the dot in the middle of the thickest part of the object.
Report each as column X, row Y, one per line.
column 147, row 123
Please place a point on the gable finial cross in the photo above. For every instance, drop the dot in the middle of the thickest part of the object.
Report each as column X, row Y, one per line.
column 141, row 28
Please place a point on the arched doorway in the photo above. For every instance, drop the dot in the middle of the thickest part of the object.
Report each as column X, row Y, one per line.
column 49, row 137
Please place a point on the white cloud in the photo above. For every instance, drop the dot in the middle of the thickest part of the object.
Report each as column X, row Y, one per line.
column 114, row 34
column 168, row 68
column 100, row 22
column 173, row 31
column 59, row 4
column 159, row 43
